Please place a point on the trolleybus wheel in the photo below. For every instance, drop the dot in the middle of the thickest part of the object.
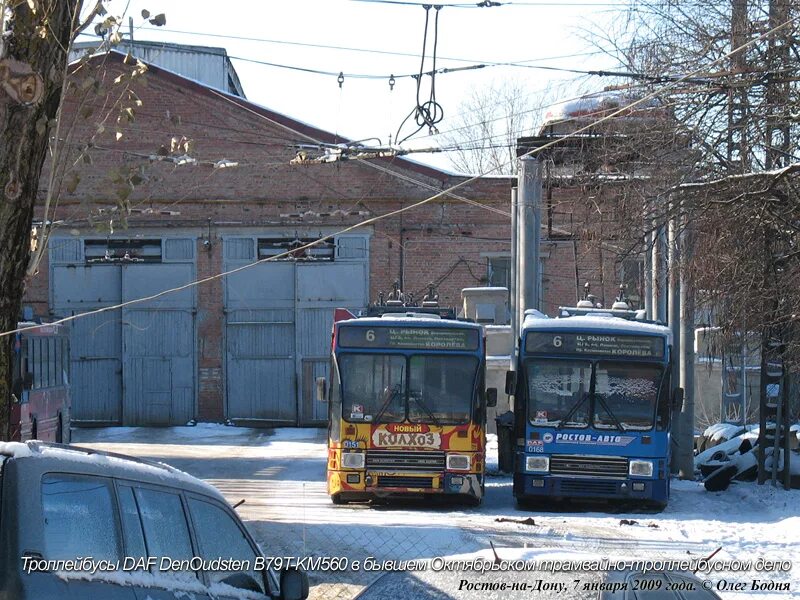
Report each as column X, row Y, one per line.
column 469, row 500
column 337, row 499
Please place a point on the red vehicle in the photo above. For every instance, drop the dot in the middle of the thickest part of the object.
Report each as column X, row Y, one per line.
column 41, row 402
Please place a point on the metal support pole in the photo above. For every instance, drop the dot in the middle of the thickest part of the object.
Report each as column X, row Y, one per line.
column 686, row 441
column 661, row 275
column 529, row 221
column 674, row 316
column 648, row 275
column 513, row 292
column 658, row 273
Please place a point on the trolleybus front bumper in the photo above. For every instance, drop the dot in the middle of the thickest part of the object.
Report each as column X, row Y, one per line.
column 555, row 486
column 390, row 483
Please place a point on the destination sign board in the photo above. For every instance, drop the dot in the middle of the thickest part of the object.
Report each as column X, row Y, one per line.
column 423, row 338
column 599, row 344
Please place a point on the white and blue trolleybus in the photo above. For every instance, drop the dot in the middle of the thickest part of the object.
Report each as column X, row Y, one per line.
column 593, row 400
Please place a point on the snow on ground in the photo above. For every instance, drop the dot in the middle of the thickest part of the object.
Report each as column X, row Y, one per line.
column 281, row 475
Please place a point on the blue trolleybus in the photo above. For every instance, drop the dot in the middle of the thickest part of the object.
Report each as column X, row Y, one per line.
column 592, row 406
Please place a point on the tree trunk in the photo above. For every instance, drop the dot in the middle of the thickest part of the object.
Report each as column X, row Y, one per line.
column 31, row 78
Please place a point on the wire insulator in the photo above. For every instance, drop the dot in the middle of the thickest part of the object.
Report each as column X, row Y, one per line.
column 391, row 82
column 340, row 79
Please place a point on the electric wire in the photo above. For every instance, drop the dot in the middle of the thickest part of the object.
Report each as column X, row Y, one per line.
column 398, row 211
column 371, row 51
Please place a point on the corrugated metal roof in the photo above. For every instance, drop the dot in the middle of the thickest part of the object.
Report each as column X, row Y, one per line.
column 208, row 65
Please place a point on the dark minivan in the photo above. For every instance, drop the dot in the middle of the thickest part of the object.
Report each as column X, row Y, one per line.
column 80, row 524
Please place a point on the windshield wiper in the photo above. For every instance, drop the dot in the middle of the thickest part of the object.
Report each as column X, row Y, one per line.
column 425, row 408
column 393, row 393
column 572, row 411
column 599, row 398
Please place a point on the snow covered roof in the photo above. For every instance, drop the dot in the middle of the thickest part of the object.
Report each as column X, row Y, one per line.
column 595, row 323
column 114, row 465
column 597, row 105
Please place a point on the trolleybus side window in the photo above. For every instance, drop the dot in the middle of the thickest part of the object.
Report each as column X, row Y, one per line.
column 559, row 390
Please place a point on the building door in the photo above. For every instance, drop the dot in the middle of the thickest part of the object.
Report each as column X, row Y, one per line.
column 260, row 344
column 135, row 365
column 278, row 327
column 320, row 289
column 158, row 346
column 96, row 368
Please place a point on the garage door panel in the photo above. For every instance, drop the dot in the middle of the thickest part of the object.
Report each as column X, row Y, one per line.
column 77, row 286
column 158, row 333
column 142, row 281
column 96, row 368
column 337, row 284
column 265, row 285
column 260, row 340
column 96, row 391
column 261, row 389
column 159, row 366
column 315, row 327
column 148, row 392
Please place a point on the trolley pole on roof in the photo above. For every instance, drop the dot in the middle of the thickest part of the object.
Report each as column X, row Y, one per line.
column 513, row 283
column 529, row 198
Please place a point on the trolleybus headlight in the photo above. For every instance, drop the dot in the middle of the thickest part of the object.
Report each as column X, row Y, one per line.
column 537, row 463
column 640, row 468
column 457, row 462
column 353, row 460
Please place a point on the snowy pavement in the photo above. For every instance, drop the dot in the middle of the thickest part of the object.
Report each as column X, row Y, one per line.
column 281, row 476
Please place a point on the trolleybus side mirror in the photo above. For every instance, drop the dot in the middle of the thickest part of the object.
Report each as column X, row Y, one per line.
column 677, row 398
column 491, row 397
column 322, row 389
column 511, row 382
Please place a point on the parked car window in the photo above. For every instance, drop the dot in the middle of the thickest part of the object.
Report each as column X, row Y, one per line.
column 79, row 517
column 131, row 524
column 166, row 531
column 219, row 536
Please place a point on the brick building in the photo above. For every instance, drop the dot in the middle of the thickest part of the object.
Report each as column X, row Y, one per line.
column 142, row 213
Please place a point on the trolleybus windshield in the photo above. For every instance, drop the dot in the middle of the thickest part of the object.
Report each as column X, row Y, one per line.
column 626, row 395
column 422, row 388
column 605, row 394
